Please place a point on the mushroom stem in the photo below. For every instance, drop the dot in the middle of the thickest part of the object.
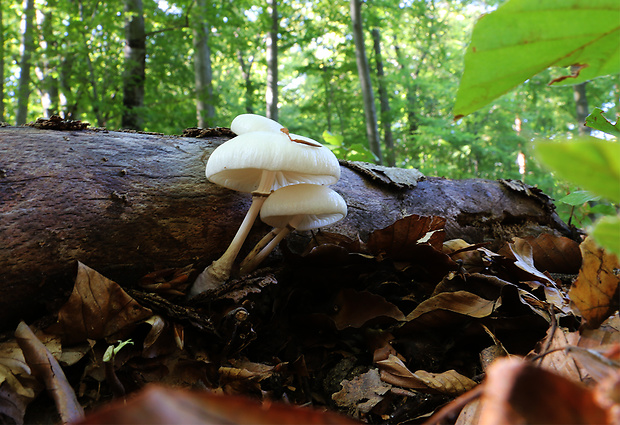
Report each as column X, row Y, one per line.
column 260, row 245
column 219, row 271
column 259, row 253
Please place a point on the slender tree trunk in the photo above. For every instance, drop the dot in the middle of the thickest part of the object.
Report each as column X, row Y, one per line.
column 410, row 91
column 384, row 101
column 2, row 55
column 23, row 90
column 581, row 107
column 203, row 76
column 246, row 72
column 49, row 83
column 135, row 57
column 363, row 69
column 272, row 62
column 328, row 95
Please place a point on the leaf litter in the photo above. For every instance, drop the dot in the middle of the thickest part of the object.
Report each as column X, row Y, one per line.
column 402, row 328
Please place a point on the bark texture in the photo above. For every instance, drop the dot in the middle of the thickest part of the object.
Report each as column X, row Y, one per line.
column 128, row 203
column 363, row 69
column 135, row 65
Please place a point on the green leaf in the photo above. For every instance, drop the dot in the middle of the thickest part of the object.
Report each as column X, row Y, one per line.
column 597, row 121
column 606, row 232
column 334, row 140
column 588, row 162
column 524, row 37
column 579, row 197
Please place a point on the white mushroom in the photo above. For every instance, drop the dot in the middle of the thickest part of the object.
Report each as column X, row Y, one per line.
column 260, row 162
column 247, row 123
column 298, row 207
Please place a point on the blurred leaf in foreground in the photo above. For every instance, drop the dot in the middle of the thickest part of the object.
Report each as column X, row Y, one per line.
column 588, row 162
column 524, row 37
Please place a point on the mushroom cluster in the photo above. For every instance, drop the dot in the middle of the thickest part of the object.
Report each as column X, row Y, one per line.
column 287, row 176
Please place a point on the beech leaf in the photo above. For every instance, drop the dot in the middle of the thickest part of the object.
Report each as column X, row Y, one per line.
column 595, row 292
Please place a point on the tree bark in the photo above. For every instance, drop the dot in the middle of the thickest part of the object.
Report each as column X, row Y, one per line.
column 25, row 65
column 246, row 72
column 363, row 69
column 581, row 108
column 126, row 204
column 272, row 62
column 203, row 76
column 135, row 63
column 2, row 56
column 50, row 98
column 384, row 101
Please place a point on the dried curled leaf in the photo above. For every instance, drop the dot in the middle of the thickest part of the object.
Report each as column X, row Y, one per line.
column 97, row 308
column 394, row 371
column 362, row 392
column 595, row 292
column 356, row 308
column 45, row 367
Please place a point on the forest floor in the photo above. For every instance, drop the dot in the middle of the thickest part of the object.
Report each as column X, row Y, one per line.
column 391, row 330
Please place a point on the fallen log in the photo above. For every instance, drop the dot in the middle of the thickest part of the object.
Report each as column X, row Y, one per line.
column 126, row 203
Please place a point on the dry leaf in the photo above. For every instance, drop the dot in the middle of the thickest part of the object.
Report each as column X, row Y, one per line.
column 595, row 292
column 522, row 252
column 159, row 405
column 517, row 392
column 401, row 238
column 555, row 254
column 461, row 302
column 45, row 367
column 356, row 308
column 394, row 371
column 558, row 360
column 362, row 392
column 97, row 308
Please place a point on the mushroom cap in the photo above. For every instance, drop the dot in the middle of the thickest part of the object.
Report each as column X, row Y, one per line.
column 318, row 205
column 246, row 123
column 239, row 163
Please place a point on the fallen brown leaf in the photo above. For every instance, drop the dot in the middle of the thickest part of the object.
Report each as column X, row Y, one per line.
column 160, row 405
column 394, row 371
column 595, row 292
column 97, row 308
column 518, row 392
column 362, row 392
column 45, row 368
column 356, row 308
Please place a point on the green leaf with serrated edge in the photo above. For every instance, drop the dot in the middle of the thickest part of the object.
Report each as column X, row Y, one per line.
column 588, row 162
column 606, row 233
column 597, row 121
column 524, row 37
column 579, row 197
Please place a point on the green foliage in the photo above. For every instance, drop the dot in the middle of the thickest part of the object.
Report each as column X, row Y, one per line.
column 525, row 37
column 588, row 162
column 597, row 121
column 353, row 152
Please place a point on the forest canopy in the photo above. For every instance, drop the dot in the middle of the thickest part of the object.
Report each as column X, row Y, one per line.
column 165, row 66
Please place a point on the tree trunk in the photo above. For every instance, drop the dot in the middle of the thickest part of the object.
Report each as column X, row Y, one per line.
column 25, row 65
column 384, row 101
column 129, row 203
column 2, row 56
column 135, row 57
column 203, row 76
column 363, row 69
column 246, row 72
column 581, row 107
column 272, row 62
column 50, row 98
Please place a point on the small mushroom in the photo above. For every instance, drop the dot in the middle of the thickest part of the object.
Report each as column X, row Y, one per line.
column 260, row 162
column 298, row 207
column 247, row 123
